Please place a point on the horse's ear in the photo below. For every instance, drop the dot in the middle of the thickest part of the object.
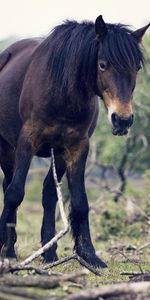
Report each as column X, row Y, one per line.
column 139, row 33
column 100, row 27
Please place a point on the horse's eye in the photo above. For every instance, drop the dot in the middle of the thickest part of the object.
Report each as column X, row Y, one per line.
column 139, row 67
column 102, row 65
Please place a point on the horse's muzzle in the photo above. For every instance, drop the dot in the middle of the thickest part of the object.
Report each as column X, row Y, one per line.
column 120, row 125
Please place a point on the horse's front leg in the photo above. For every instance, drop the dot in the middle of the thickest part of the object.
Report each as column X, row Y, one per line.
column 15, row 191
column 76, row 160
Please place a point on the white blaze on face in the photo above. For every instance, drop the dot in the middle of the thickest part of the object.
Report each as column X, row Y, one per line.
column 111, row 110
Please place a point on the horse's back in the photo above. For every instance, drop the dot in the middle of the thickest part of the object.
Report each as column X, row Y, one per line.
column 14, row 62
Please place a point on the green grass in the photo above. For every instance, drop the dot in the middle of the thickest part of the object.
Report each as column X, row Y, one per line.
column 113, row 227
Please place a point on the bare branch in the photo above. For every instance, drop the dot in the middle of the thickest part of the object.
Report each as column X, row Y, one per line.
column 144, row 246
column 16, row 293
column 43, row 282
column 60, row 261
column 106, row 292
column 36, row 270
column 76, row 257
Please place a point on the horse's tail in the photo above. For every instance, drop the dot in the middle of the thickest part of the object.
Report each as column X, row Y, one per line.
column 4, row 58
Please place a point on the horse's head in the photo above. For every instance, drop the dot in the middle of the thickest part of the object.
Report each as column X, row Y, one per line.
column 119, row 60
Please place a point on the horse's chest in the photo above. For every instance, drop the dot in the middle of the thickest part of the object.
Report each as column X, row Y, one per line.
column 60, row 136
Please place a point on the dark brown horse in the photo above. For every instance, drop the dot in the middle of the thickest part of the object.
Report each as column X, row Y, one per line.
column 49, row 93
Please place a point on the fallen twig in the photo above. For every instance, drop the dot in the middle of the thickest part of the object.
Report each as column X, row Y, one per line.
column 132, row 273
column 144, row 246
column 45, row 282
column 36, row 270
column 6, row 293
column 106, row 292
column 141, row 277
column 131, row 260
column 4, row 265
column 137, row 276
column 59, row 261
column 86, row 265
column 76, row 257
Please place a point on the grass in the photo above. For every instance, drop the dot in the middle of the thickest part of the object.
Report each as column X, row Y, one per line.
column 114, row 227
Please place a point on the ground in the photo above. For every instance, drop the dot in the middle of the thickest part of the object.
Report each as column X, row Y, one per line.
column 118, row 231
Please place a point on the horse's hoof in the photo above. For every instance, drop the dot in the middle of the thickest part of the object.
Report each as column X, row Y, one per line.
column 8, row 253
column 93, row 260
column 11, row 254
column 49, row 257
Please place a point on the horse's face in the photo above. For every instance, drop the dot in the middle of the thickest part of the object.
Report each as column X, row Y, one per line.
column 116, row 84
column 116, row 90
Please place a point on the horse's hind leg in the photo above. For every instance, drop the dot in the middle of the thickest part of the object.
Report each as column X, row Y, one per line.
column 27, row 145
column 7, row 165
column 49, row 201
column 7, row 156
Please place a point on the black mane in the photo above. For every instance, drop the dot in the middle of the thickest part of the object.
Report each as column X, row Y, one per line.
column 73, row 56
column 73, row 52
column 121, row 49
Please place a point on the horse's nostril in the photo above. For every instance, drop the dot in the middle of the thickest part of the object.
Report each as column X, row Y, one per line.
column 114, row 119
column 132, row 117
